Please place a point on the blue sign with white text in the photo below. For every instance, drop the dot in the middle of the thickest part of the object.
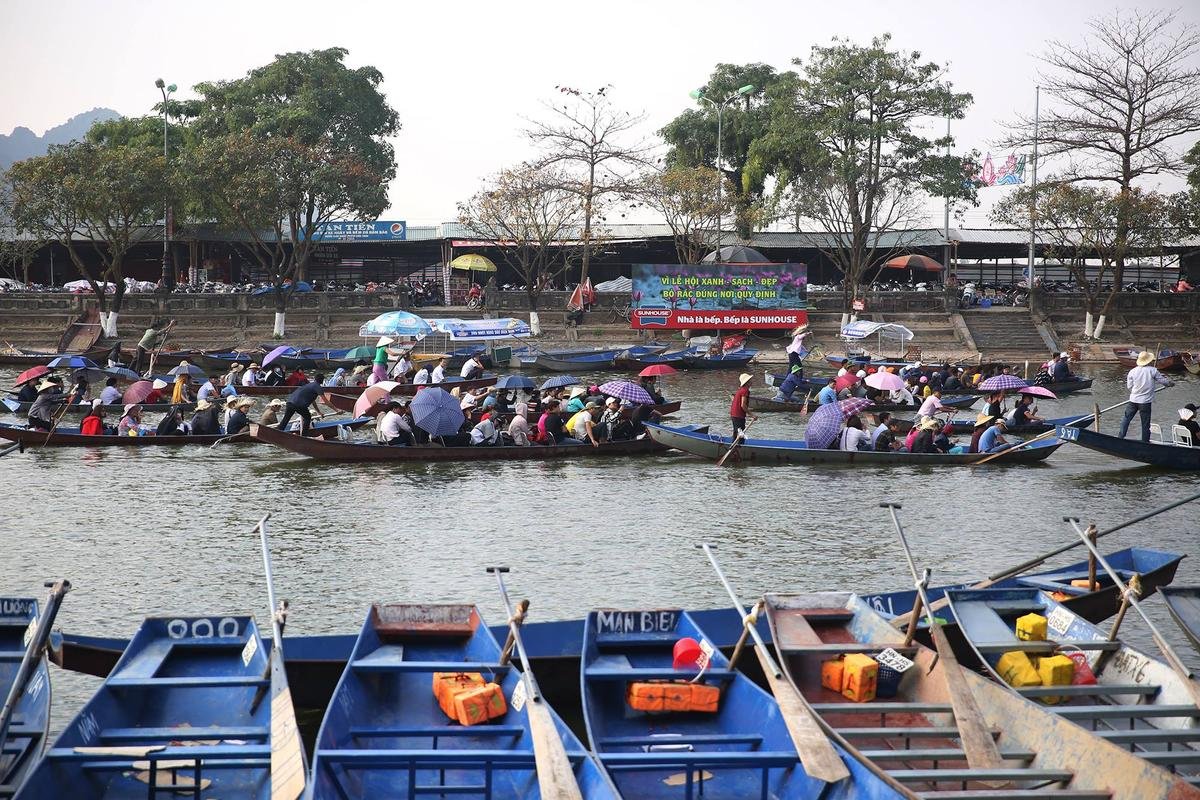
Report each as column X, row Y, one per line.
column 351, row 231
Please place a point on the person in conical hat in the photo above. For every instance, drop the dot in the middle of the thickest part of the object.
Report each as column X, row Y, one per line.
column 1141, row 382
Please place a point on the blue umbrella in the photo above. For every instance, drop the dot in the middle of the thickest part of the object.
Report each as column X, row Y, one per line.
column 558, row 381
column 397, row 323
column 188, row 369
column 123, row 372
column 514, row 382
column 74, row 362
column 437, row 412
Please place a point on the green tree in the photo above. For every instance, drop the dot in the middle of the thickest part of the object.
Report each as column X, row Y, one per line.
column 109, row 195
column 1078, row 225
column 855, row 117
column 692, row 135
column 532, row 220
column 307, row 138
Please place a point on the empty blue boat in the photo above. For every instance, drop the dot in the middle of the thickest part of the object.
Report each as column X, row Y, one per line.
column 384, row 734
column 185, row 707
column 30, row 717
column 742, row 751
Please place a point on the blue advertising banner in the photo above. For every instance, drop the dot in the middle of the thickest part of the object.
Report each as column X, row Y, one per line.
column 675, row 296
column 353, row 231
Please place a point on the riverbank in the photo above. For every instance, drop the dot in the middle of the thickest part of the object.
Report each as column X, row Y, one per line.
column 38, row 321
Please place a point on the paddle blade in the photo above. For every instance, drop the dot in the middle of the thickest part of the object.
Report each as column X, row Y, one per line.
column 556, row 778
column 288, row 769
column 817, row 754
column 977, row 742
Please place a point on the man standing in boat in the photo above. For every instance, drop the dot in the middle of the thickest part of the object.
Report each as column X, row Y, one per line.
column 1141, row 381
column 152, row 339
column 740, row 408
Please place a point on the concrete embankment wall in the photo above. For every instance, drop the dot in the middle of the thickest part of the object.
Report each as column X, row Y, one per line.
column 37, row 321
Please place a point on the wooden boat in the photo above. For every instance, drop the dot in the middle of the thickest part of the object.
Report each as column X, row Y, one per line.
column 82, row 333
column 1190, row 364
column 793, row 451
column 1136, row 700
column 1155, row 569
column 1168, row 360
column 111, row 410
column 928, row 367
column 18, row 357
column 575, row 362
column 815, row 385
column 964, row 425
column 915, row 737
column 767, row 404
column 629, row 360
column 1157, row 454
column 1184, row 604
column 358, row 451
column 384, row 734
column 743, row 750
column 71, row 437
column 735, row 359
column 343, row 398
column 185, row 705
column 21, row 618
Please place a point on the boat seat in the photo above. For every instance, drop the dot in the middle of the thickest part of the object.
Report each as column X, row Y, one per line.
column 1149, row 735
column 147, row 661
column 1156, row 431
column 385, row 654
column 430, row 731
column 1109, row 711
column 997, row 774
column 1181, row 435
column 842, row 647
column 205, row 752
column 1055, row 586
column 757, row 759
column 185, row 734
column 444, row 759
column 186, row 682
column 685, row 738
column 911, row 732
column 1046, row 646
column 883, row 708
column 12, row 655
column 1170, row 757
column 382, row 665
column 1043, row 793
column 1084, row 690
column 652, row 674
column 940, row 754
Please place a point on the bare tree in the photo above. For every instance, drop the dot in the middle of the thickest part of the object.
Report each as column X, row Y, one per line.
column 534, row 222
column 685, row 199
column 586, row 143
column 1125, row 95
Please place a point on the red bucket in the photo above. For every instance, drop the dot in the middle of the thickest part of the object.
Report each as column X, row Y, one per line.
column 686, row 653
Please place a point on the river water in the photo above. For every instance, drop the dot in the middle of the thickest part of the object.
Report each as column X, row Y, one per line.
column 169, row 530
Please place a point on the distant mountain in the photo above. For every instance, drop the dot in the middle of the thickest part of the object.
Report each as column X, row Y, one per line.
column 23, row 143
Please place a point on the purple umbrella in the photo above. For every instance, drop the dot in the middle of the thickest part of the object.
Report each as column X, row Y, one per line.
column 826, row 422
column 625, row 390
column 998, row 383
column 282, row 350
column 437, row 411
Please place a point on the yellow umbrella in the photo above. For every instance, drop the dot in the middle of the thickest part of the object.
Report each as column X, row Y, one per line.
column 473, row 262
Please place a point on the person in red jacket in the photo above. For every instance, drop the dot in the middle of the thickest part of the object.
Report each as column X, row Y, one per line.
column 93, row 423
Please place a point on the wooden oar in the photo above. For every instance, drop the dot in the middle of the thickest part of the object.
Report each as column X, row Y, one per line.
column 737, row 440
column 1025, row 566
column 978, row 745
column 33, row 654
column 15, row 446
column 288, row 764
column 556, row 777
column 817, row 754
column 1050, row 433
column 1173, row 659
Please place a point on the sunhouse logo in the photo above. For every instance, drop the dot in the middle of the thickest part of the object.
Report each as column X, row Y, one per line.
column 650, row 317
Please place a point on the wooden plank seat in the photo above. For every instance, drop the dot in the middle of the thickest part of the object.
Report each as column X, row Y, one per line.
column 969, row 775
column 756, row 759
column 436, row 759
column 370, row 665
column 1150, row 735
column 1044, row 646
column 212, row 752
column 652, row 674
column 883, row 708
column 940, row 754
column 1041, row 793
column 1108, row 711
column 912, row 732
column 448, row 730
column 752, row 739
column 111, row 735
column 796, row 648
column 1084, row 690
column 187, row 682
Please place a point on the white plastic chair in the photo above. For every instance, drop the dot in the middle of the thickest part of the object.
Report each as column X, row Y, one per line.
column 1156, row 431
column 1181, row 435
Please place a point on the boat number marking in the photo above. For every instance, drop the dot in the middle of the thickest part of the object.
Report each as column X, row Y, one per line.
column 1059, row 620
column 1068, row 434
column 249, row 650
column 202, row 628
column 35, row 685
column 1131, row 664
column 30, row 631
column 877, row 603
column 518, row 695
column 15, row 608
column 893, row 660
column 636, row 621
column 89, row 729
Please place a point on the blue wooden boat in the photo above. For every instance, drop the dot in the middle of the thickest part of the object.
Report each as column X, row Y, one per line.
column 184, row 707
column 574, row 362
column 25, row 685
column 1157, row 454
column 734, row 359
column 817, row 384
column 384, row 734
column 769, row 404
column 914, row 735
column 712, row 446
column 742, row 751
column 1136, row 700
column 630, row 361
column 1184, row 604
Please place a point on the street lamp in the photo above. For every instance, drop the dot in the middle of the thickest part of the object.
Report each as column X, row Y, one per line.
column 699, row 94
column 168, row 274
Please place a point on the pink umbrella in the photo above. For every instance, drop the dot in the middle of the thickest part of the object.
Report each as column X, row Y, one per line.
column 137, row 392
column 887, row 381
column 378, row 393
column 849, row 379
column 657, row 369
column 1038, row 391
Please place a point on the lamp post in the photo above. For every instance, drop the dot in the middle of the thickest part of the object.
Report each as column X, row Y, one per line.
column 699, row 94
column 168, row 273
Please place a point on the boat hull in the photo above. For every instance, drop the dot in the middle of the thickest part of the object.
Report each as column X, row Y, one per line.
column 766, row 404
column 1184, row 604
column 1163, row 455
column 59, row 438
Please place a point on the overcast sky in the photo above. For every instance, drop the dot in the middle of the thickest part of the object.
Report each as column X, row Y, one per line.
column 463, row 74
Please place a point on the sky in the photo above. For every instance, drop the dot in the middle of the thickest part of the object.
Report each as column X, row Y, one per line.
column 464, row 76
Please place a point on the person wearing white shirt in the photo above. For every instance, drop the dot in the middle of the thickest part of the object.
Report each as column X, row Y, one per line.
column 394, row 428
column 853, row 437
column 1141, row 381
column 403, row 367
column 439, row 372
column 111, row 393
column 250, row 375
column 883, row 426
column 796, row 350
column 422, row 376
column 472, row 369
column 931, row 406
column 485, row 434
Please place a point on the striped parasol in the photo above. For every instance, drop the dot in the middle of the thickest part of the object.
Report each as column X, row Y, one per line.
column 625, row 390
column 999, row 383
column 437, row 412
column 826, row 422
